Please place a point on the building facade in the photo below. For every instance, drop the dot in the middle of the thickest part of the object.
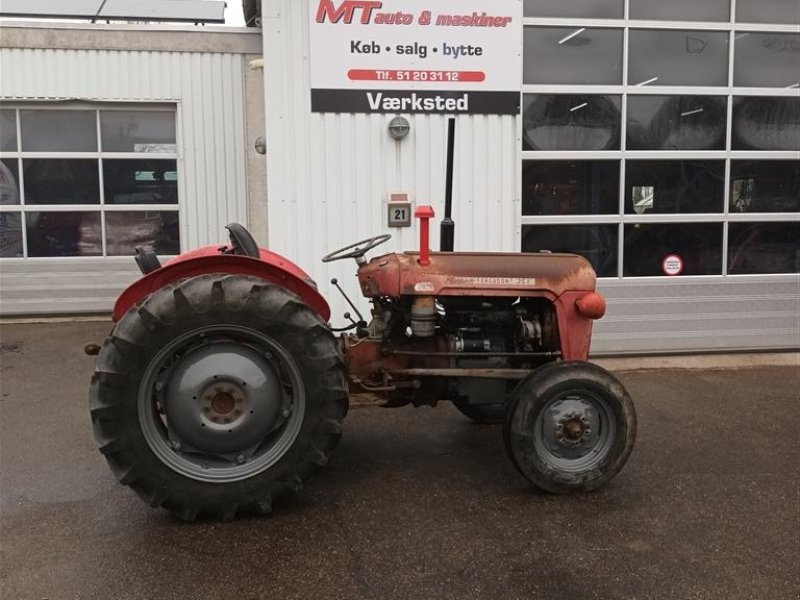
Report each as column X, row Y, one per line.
column 115, row 137
column 659, row 140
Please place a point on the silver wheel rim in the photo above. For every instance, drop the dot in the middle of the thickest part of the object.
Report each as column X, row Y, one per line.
column 574, row 432
column 186, row 429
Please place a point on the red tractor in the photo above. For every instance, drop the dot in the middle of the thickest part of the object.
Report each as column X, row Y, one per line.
column 222, row 385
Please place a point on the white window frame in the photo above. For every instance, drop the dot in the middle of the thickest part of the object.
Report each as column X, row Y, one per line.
column 19, row 155
column 621, row 219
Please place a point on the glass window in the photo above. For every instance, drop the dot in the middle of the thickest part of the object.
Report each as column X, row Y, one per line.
column 63, row 233
column 597, row 243
column 140, row 181
column 766, row 60
column 581, row 187
column 9, row 181
column 661, row 57
column 763, row 248
column 674, row 186
column 58, row 130
column 10, row 234
column 767, row 11
column 581, row 9
column 676, row 122
column 765, row 186
column 157, row 230
column 8, row 130
column 61, row 181
column 138, row 131
column 681, row 10
column 766, row 123
column 571, row 122
column 699, row 245
column 572, row 55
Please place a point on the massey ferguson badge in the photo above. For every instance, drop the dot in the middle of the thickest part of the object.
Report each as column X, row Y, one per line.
column 415, row 56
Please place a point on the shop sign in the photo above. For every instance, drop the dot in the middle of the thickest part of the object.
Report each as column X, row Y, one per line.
column 416, row 56
column 672, row 265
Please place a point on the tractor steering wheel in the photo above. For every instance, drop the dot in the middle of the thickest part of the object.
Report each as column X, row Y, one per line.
column 357, row 250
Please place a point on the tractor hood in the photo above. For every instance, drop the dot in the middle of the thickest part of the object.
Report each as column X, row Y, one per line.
column 476, row 274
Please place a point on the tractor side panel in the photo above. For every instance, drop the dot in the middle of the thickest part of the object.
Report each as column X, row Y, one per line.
column 575, row 330
column 203, row 261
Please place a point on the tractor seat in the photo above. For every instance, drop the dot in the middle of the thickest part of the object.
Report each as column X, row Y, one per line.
column 147, row 260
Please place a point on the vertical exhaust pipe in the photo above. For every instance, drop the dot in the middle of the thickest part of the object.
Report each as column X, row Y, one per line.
column 448, row 227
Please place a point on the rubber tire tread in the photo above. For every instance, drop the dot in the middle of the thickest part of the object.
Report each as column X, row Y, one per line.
column 216, row 299
column 532, row 395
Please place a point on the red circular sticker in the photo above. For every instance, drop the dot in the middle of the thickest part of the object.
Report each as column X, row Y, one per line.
column 672, row 265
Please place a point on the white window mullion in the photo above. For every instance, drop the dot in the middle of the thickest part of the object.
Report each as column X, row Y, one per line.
column 103, row 249
column 21, row 187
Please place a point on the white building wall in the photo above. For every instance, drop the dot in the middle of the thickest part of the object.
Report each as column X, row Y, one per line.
column 329, row 174
column 208, row 91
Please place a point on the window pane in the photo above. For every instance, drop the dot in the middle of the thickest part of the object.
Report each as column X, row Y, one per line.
column 9, row 178
column 597, row 243
column 571, row 122
column 58, row 130
column 676, row 122
column 765, row 186
column 766, row 60
column 8, row 130
column 767, row 11
column 764, row 248
column 563, row 55
column 581, row 9
column 660, row 57
column 681, row 10
column 140, row 181
column 584, row 187
column 10, row 234
column 157, row 230
column 699, row 245
column 138, row 131
column 764, row 123
column 674, row 186
column 63, row 233
column 61, row 181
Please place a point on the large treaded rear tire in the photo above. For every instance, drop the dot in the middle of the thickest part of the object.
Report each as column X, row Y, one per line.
column 242, row 308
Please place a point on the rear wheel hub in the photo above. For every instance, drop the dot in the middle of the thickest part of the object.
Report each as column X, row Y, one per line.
column 223, row 398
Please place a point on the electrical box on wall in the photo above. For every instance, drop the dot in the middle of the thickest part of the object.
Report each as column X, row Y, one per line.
column 399, row 211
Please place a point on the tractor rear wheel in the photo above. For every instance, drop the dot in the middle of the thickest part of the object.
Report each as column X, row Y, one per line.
column 569, row 427
column 218, row 394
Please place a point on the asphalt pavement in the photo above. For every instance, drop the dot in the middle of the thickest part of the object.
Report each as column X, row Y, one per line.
column 417, row 503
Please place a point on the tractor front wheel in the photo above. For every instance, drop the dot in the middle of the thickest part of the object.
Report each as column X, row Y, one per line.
column 218, row 394
column 569, row 427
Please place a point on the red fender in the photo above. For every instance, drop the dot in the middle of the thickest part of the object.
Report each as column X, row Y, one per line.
column 203, row 261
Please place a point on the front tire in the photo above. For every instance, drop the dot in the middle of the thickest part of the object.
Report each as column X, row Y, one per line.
column 569, row 427
column 218, row 394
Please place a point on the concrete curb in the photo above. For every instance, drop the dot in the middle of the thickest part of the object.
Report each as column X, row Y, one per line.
column 698, row 362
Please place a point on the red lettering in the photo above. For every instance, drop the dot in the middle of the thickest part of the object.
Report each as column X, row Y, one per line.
column 346, row 11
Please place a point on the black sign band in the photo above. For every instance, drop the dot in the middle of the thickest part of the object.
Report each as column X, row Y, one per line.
column 426, row 102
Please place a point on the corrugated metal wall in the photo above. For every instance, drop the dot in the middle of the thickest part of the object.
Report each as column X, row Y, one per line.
column 207, row 89
column 329, row 174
